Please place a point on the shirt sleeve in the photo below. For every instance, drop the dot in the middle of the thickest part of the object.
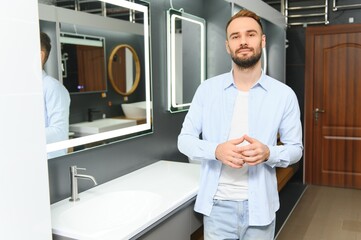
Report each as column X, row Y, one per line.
column 290, row 131
column 190, row 142
column 57, row 103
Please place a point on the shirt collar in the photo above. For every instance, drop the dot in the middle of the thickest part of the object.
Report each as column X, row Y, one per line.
column 262, row 82
column 228, row 80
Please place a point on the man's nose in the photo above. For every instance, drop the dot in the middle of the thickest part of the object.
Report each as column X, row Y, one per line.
column 243, row 45
column 243, row 41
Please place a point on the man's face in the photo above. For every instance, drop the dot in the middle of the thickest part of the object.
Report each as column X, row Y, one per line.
column 245, row 41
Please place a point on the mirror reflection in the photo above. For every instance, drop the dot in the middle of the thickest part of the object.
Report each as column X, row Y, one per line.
column 186, row 58
column 83, row 63
column 97, row 117
column 124, row 69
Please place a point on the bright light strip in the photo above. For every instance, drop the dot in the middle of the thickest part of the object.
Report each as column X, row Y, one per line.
column 81, row 41
column 97, row 137
column 172, row 64
column 264, row 54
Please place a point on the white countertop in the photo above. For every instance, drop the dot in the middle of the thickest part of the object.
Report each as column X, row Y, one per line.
column 123, row 207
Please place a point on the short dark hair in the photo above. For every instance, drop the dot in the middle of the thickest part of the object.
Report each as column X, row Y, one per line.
column 45, row 44
column 245, row 13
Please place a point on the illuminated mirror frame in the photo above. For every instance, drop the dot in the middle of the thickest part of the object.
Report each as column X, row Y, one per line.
column 129, row 131
column 172, row 16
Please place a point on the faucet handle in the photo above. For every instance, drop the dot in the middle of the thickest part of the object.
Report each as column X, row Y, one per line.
column 74, row 169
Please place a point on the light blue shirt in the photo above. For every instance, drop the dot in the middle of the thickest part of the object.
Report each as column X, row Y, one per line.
column 273, row 108
column 56, row 112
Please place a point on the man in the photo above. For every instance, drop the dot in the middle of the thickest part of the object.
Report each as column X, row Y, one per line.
column 56, row 102
column 232, row 127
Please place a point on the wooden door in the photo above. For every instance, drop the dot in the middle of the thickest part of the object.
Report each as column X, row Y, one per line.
column 333, row 106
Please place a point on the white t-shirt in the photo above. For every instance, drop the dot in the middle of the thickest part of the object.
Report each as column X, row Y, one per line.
column 233, row 183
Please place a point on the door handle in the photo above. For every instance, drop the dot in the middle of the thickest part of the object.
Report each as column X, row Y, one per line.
column 316, row 113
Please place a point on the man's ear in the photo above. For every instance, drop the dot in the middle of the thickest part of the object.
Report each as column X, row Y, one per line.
column 42, row 55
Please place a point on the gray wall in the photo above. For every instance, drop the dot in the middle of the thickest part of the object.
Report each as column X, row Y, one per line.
column 108, row 162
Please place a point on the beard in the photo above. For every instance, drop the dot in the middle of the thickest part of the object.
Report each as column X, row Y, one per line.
column 247, row 63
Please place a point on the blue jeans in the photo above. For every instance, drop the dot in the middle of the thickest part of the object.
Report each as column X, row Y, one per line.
column 229, row 220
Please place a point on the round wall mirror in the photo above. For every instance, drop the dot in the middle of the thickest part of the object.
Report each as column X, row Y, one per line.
column 124, row 69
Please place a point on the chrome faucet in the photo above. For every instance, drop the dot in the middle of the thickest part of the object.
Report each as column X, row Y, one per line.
column 74, row 181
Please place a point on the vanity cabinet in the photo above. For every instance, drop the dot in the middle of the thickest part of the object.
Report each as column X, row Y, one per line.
column 177, row 226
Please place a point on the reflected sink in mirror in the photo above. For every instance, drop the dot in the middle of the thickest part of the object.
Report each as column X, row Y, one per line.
column 109, row 212
column 135, row 110
column 99, row 126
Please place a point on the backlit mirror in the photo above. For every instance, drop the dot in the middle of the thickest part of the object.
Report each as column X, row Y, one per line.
column 102, row 115
column 186, row 58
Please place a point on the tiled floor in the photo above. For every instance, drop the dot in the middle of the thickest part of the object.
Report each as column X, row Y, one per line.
column 325, row 213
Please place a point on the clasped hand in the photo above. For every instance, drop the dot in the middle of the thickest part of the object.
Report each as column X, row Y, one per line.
column 245, row 150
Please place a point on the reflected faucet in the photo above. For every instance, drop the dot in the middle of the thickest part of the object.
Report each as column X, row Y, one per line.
column 74, row 181
column 91, row 112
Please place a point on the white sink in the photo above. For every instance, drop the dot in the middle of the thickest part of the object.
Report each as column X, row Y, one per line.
column 100, row 125
column 126, row 206
column 135, row 110
column 109, row 212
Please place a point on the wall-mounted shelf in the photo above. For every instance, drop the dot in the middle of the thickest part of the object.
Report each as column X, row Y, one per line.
column 352, row 4
column 306, row 12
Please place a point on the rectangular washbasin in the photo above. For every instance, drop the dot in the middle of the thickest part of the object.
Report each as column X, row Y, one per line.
column 126, row 206
column 101, row 125
column 109, row 213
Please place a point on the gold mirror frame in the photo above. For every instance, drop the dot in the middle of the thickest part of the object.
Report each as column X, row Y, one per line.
column 137, row 69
